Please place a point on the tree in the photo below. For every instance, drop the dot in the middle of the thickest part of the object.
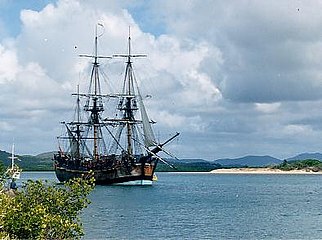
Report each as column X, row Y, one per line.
column 41, row 210
column 2, row 168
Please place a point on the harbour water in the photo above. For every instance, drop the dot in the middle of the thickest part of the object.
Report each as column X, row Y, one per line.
column 206, row 206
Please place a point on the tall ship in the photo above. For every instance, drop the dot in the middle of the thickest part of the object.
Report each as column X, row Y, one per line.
column 111, row 135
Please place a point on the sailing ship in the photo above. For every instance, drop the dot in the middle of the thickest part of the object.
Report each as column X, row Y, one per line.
column 118, row 148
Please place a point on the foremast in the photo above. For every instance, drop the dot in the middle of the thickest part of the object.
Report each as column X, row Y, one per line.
column 93, row 105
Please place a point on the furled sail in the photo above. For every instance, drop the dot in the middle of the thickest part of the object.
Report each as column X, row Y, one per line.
column 149, row 138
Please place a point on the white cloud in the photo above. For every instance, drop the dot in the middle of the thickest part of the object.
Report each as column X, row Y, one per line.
column 267, row 45
column 8, row 64
column 6, row 126
column 41, row 68
column 297, row 130
column 268, row 107
column 173, row 121
column 234, row 77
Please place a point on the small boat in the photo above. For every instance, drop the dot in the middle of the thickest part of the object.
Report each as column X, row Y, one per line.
column 13, row 172
column 119, row 148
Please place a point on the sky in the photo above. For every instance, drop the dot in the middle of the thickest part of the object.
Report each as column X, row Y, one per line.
column 235, row 78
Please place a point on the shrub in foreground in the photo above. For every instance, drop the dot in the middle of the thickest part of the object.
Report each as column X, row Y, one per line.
column 40, row 210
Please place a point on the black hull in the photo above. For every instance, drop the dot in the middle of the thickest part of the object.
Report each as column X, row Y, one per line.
column 102, row 177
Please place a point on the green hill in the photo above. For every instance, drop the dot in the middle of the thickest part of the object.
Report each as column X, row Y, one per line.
column 187, row 165
column 41, row 162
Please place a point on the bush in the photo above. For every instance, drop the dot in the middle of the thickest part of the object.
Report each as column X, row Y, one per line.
column 309, row 164
column 45, row 211
column 2, row 168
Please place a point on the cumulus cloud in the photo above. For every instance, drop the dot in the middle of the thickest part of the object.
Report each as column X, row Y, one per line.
column 268, row 47
column 8, row 64
column 41, row 68
column 234, row 78
column 268, row 72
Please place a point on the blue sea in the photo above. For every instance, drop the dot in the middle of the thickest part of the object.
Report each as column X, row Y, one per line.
column 205, row 206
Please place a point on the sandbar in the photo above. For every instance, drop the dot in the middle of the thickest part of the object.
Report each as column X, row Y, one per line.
column 261, row 171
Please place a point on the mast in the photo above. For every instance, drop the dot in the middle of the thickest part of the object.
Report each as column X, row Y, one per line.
column 128, row 109
column 95, row 109
column 95, row 96
column 12, row 156
column 14, row 171
column 130, row 103
column 78, row 130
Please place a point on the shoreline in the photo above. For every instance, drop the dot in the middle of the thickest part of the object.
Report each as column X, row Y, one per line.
column 262, row 171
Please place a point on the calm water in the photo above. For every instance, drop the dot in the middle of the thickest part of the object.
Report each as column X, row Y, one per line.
column 206, row 206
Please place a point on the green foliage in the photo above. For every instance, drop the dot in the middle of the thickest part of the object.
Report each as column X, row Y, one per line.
column 45, row 211
column 42, row 162
column 308, row 164
column 187, row 167
column 2, row 168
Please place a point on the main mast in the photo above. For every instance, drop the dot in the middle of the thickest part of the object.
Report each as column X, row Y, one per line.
column 128, row 109
column 95, row 110
column 128, row 90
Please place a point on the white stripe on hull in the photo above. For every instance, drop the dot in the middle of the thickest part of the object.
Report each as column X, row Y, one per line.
column 136, row 183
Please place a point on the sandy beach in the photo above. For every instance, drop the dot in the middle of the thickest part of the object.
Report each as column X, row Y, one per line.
column 260, row 171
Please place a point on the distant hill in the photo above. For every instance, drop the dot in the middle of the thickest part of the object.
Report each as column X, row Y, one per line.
column 46, row 155
column 187, row 160
column 304, row 156
column 41, row 162
column 187, row 165
column 249, row 161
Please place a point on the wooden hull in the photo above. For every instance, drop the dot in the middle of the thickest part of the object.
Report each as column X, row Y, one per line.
column 106, row 177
